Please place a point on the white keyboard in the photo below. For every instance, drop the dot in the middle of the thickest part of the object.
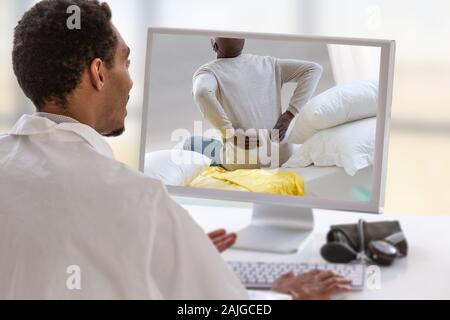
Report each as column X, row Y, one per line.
column 261, row 275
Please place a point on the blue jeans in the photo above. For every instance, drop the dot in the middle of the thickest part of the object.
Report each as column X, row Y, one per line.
column 209, row 147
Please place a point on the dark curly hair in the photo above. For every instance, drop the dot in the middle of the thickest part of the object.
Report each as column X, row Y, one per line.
column 49, row 58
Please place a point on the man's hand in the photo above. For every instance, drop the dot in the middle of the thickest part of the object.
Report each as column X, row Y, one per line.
column 222, row 240
column 314, row 285
column 283, row 125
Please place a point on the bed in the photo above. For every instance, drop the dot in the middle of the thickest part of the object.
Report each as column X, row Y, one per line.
column 330, row 182
column 334, row 183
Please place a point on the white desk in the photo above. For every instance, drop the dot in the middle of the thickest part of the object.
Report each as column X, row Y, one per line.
column 424, row 274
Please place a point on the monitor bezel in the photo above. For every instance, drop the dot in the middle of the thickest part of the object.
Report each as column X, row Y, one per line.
column 387, row 63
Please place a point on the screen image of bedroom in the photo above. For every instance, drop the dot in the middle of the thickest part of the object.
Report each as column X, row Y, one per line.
column 293, row 118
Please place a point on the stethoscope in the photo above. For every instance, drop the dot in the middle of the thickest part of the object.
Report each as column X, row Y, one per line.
column 382, row 252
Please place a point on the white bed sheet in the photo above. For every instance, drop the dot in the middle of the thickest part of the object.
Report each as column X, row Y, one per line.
column 334, row 183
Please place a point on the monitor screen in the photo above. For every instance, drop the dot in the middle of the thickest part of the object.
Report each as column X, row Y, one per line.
column 292, row 119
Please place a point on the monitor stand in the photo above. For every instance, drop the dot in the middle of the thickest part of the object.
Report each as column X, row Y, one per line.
column 276, row 229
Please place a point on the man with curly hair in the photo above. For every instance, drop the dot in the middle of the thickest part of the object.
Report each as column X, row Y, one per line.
column 74, row 222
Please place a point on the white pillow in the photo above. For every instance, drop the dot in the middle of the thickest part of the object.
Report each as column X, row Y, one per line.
column 338, row 105
column 351, row 146
column 175, row 167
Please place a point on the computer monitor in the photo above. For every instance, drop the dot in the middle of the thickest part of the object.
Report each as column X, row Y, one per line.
column 210, row 112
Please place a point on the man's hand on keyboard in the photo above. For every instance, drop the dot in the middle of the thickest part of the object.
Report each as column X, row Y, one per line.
column 222, row 240
column 313, row 285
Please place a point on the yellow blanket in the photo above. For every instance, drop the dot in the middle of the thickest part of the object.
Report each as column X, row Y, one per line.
column 258, row 180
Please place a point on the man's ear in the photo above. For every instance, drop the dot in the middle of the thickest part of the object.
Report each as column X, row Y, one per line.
column 97, row 74
column 215, row 47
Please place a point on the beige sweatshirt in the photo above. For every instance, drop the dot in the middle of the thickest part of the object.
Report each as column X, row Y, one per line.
column 245, row 92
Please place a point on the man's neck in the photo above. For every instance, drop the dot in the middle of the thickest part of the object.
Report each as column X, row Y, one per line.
column 57, row 118
column 81, row 117
column 219, row 56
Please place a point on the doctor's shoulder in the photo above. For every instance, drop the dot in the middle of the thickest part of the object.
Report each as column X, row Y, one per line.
column 5, row 140
column 138, row 183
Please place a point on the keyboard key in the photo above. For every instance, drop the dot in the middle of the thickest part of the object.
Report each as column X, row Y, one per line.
column 261, row 275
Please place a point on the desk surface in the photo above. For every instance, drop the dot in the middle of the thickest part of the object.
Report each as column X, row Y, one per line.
column 424, row 274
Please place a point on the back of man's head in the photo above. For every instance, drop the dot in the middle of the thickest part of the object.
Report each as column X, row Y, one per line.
column 228, row 47
column 49, row 57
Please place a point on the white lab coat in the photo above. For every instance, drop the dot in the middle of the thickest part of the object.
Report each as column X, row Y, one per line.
column 65, row 201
